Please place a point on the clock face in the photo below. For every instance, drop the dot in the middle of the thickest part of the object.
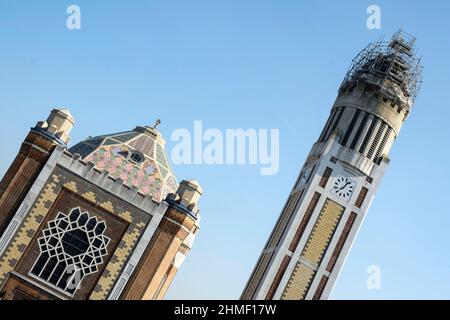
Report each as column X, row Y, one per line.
column 343, row 188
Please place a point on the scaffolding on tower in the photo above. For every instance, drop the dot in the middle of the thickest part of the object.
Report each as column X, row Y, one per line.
column 391, row 66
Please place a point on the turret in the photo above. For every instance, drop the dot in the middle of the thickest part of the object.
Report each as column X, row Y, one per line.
column 39, row 144
column 58, row 125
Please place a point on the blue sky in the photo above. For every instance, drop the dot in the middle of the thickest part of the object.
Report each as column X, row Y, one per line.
column 243, row 64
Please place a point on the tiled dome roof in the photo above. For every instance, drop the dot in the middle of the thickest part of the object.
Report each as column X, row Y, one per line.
column 137, row 157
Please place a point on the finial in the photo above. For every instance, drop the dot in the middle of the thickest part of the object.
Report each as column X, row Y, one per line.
column 157, row 123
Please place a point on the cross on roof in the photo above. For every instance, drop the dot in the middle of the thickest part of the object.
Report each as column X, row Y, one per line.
column 157, row 123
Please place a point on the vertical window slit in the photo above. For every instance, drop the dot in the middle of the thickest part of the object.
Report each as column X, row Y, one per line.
column 366, row 140
column 350, row 128
column 359, row 131
column 382, row 144
column 361, row 197
column 376, row 140
column 335, row 124
column 325, row 177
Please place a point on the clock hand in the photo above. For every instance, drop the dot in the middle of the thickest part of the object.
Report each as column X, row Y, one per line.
column 348, row 182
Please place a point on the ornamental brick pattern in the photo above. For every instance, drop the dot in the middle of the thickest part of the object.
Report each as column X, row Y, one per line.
column 323, row 231
column 299, row 282
column 60, row 179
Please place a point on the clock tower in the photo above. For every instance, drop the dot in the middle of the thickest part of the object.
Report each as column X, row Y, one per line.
column 313, row 235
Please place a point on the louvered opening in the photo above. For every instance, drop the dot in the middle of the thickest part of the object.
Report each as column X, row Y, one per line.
column 359, row 131
column 382, row 145
column 350, row 128
column 376, row 140
column 368, row 136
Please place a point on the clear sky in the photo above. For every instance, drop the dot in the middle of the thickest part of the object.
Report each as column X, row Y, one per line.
column 243, row 64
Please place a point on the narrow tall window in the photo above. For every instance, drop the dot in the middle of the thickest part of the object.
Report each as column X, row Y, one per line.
column 361, row 197
column 323, row 282
column 301, row 228
column 376, row 140
column 298, row 196
column 325, row 177
column 359, row 131
column 368, row 136
column 334, row 125
column 276, row 282
column 350, row 128
column 382, row 145
column 275, row 231
column 340, row 244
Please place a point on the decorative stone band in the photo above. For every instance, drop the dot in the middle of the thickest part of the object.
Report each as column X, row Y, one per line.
column 48, row 135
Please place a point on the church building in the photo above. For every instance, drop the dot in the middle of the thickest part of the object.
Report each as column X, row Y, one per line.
column 103, row 220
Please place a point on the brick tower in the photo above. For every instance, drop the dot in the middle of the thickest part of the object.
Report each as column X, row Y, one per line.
column 313, row 235
column 103, row 220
